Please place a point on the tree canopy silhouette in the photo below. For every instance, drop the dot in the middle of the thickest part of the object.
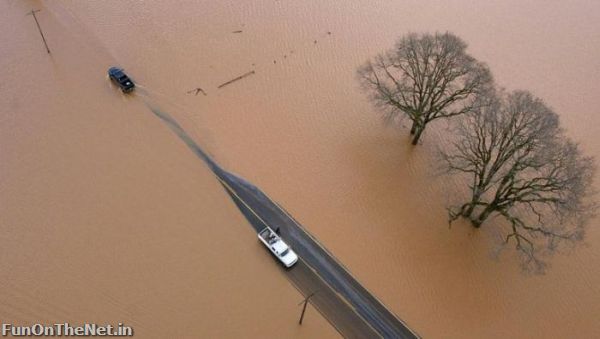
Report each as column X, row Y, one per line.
column 424, row 78
column 522, row 167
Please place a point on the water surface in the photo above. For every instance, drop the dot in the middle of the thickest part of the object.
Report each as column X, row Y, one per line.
column 302, row 130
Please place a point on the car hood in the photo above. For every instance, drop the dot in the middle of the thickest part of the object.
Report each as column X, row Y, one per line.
column 289, row 258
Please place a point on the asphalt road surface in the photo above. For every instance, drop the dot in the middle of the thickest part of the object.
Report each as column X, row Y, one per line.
column 338, row 296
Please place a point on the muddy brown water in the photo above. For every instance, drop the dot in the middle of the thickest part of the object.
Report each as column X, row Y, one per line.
column 107, row 216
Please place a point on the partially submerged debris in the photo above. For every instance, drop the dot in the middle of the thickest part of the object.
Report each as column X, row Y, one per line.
column 236, row 79
column 196, row 90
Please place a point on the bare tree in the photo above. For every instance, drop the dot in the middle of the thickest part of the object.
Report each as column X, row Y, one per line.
column 425, row 77
column 522, row 167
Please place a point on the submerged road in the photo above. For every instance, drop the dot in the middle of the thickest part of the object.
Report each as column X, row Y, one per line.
column 338, row 296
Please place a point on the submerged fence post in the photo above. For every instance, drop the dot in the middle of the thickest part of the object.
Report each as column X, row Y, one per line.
column 39, row 28
column 304, row 307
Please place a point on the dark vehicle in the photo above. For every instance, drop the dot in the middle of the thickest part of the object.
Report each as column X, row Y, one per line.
column 117, row 75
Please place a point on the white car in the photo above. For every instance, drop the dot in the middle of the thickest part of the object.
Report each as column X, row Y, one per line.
column 279, row 248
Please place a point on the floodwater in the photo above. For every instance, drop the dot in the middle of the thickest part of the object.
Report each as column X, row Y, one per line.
column 107, row 216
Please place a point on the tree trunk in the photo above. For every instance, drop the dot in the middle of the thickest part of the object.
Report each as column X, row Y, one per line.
column 417, row 135
column 413, row 129
column 474, row 200
column 467, row 213
column 482, row 217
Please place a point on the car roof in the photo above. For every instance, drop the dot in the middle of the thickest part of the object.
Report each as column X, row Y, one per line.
column 279, row 246
column 115, row 70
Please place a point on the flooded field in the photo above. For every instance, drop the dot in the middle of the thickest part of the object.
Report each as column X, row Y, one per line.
column 106, row 216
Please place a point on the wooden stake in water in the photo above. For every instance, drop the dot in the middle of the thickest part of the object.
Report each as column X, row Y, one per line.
column 39, row 28
column 304, row 307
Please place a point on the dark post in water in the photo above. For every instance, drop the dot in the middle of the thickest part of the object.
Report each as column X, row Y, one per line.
column 305, row 301
column 40, row 29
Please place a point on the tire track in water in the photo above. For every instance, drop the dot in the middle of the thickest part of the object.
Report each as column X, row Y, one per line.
column 182, row 134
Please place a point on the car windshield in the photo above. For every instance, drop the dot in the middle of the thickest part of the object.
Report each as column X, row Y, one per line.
column 123, row 77
column 287, row 250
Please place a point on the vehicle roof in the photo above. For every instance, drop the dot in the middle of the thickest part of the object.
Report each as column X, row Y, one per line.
column 115, row 71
